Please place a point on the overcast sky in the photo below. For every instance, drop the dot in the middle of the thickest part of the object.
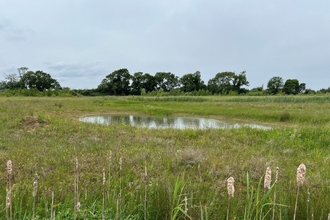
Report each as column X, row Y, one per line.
column 79, row 42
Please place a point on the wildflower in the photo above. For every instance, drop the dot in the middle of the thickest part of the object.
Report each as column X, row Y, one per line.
column 301, row 174
column 268, row 178
column 230, row 186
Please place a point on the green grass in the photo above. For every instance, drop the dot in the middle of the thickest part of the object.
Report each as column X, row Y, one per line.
column 42, row 135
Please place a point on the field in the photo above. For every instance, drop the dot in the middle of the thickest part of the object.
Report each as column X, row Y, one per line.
column 66, row 169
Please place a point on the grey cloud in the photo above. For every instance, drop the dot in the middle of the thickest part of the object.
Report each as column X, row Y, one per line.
column 67, row 70
column 265, row 38
column 12, row 33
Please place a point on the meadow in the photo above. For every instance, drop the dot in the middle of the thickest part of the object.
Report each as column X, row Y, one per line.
column 61, row 168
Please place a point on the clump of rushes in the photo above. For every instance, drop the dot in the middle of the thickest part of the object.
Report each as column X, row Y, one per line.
column 268, row 178
column 301, row 176
column 8, row 190
column 103, row 182
column 231, row 191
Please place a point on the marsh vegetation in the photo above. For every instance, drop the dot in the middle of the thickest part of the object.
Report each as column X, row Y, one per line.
column 62, row 168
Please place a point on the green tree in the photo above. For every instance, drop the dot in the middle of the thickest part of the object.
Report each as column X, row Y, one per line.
column 302, row 88
column 12, row 81
column 142, row 81
column 192, row 82
column 221, row 83
column 116, row 83
column 275, row 85
column 166, row 81
column 291, row 86
column 239, row 81
column 38, row 80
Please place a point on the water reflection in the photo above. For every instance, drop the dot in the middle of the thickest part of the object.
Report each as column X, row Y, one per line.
column 166, row 122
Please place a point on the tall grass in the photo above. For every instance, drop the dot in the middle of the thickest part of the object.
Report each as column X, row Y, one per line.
column 39, row 136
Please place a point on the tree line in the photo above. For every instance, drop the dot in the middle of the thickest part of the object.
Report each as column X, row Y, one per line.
column 120, row 83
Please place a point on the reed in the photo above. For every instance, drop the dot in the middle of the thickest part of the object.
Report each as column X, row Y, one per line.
column 118, row 210
column 185, row 207
column 9, row 189
column 103, row 193
column 109, row 160
column 274, row 205
column 34, row 195
column 76, row 189
column 52, row 210
column 145, row 181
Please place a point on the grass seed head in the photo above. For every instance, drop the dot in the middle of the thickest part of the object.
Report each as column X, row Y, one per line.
column 230, row 186
column 268, row 178
column 9, row 167
column 35, row 186
column 77, row 164
column 301, row 174
column 185, row 204
column 120, row 163
column 103, row 176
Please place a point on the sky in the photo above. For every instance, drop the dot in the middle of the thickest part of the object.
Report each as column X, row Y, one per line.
column 80, row 42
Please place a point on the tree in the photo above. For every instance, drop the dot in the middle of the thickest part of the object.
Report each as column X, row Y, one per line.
column 239, row 81
column 221, row 83
column 302, row 88
column 38, row 80
column 275, row 85
column 116, row 83
column 12, row 81
column 192, row 82
column 22, row 71
column 142, row 81
column 166, row 81
column 291, row 86
column 225, row 82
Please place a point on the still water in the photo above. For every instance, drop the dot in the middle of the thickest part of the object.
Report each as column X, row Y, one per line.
column 166, row 122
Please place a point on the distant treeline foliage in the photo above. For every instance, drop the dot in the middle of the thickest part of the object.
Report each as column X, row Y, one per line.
column 122, row 83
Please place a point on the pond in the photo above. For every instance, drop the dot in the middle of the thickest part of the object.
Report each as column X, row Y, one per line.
column 167, row 122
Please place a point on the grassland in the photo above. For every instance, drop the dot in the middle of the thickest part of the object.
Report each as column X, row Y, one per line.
column 127, row 172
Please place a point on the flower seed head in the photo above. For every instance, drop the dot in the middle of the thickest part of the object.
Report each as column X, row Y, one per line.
column 103, row 176
column 185, row 205
column 268, row 178
column 120, row 163
column 35, row 186
column 9, row 167
column 276, row 177
column 230, row 186
column 301, row 174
